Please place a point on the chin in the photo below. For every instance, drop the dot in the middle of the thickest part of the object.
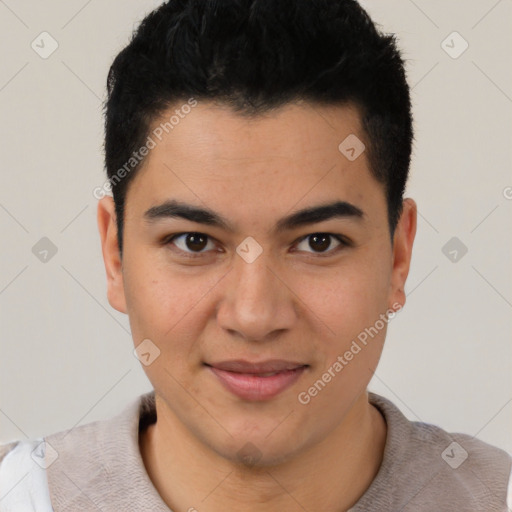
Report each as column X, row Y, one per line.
column 258, row 451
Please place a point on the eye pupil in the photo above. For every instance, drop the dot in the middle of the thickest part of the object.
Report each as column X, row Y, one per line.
column 324, row 244
column 196, row 241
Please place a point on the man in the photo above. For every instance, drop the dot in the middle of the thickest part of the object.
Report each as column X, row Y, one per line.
column 259, row 241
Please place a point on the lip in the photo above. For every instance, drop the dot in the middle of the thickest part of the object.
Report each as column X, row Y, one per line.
column 246, row 380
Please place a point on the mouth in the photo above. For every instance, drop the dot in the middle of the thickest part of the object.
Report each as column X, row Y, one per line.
column 257, row 381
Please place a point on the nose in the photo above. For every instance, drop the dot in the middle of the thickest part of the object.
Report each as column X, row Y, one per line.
column 257, row 304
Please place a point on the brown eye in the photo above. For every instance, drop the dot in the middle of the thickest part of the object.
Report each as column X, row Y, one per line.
column 321, row 243
column 190, row 243
column 195, row 241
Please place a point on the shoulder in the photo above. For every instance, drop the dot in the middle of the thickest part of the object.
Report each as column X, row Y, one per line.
column 39, row 474
column 100, row 463
column 428, row 466
column 459, row 451
column 464, row 467
column 23, row 483
column 6, row 448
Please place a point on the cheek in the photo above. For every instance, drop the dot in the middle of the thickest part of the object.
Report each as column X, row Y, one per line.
column 351, row 306
column 167, row 306
column 348, row 299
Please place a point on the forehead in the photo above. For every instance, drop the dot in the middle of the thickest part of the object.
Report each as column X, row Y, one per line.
column 291, row 131
column 291, row 155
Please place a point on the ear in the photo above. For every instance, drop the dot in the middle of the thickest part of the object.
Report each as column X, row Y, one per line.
column 402, row 252
column 111, row 255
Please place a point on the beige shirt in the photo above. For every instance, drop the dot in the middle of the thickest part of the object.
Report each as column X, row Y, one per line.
column 99, row 467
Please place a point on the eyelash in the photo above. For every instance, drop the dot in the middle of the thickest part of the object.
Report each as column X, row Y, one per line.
column 344, row 242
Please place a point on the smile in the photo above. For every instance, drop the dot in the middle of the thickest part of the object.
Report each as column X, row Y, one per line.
column 258, row 381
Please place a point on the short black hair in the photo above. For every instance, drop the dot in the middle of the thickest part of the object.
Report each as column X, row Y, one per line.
column 254, row 56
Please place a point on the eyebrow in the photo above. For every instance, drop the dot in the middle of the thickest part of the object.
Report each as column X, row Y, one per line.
column 311, row 215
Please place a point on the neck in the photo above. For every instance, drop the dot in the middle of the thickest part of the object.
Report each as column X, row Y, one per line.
column 330, row 475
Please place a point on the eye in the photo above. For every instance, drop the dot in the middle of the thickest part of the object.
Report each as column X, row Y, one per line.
column 193, row 244
column 190, row 243
column 320, row 242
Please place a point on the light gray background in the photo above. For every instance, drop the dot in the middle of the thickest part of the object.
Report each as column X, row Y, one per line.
column 66, row 355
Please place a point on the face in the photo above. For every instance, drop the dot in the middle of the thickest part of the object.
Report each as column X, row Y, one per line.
column 251, row 287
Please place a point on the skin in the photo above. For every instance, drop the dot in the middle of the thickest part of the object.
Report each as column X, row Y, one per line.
column 296, row 301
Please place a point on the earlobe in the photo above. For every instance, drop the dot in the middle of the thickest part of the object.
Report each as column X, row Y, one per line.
column 107, row 227
column 402, row 252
